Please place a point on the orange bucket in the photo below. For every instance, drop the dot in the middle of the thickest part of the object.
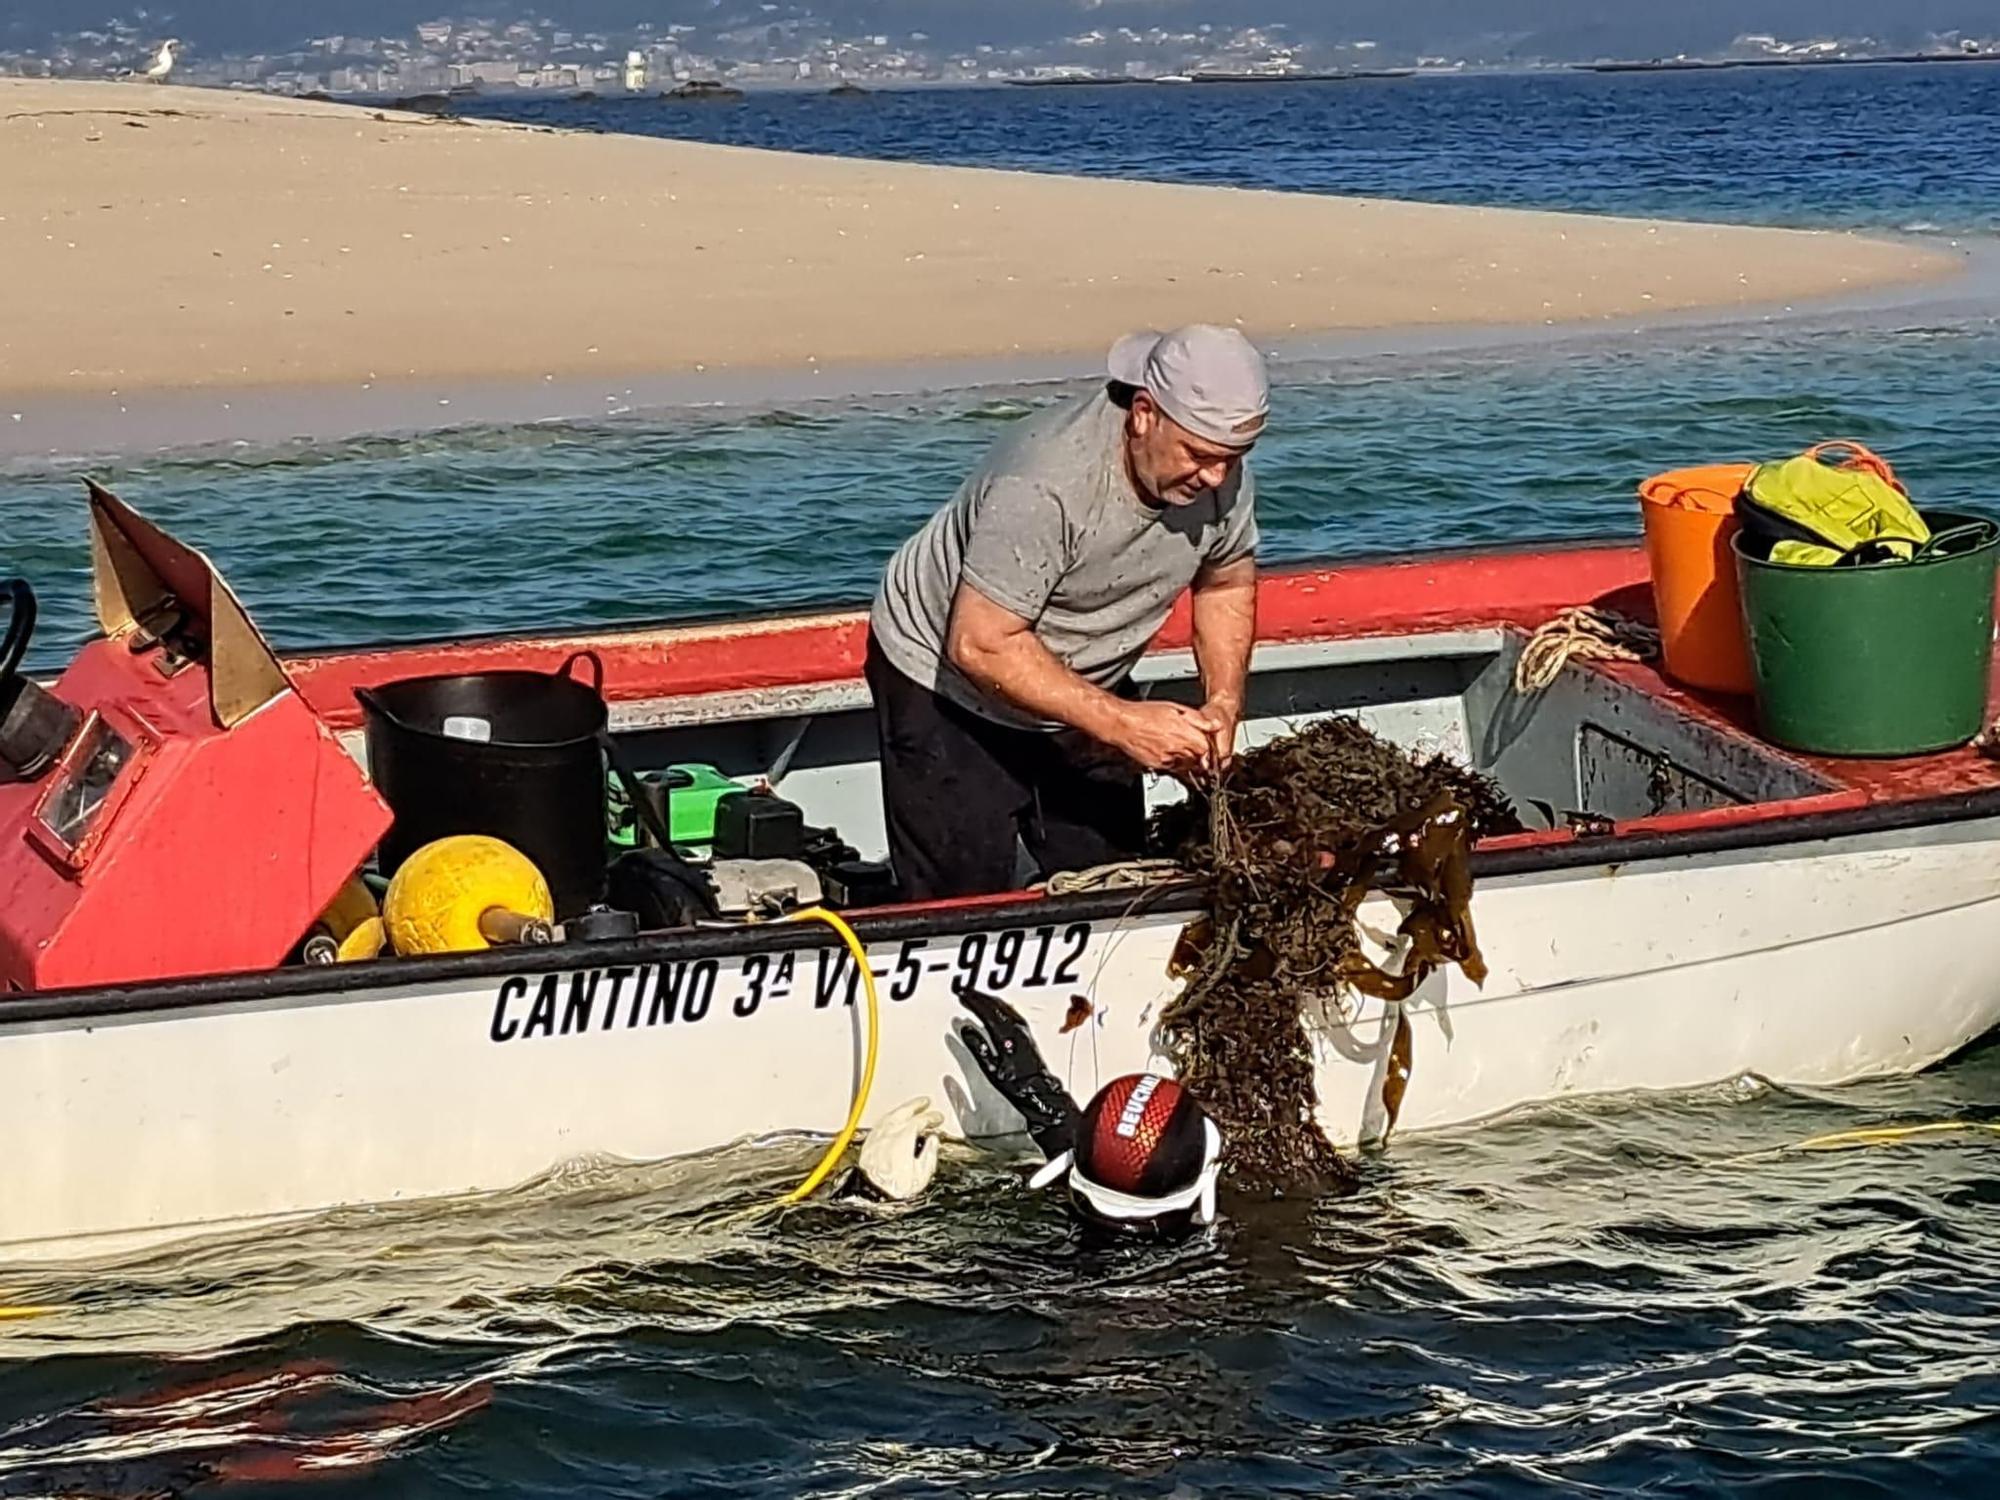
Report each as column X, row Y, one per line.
column 1690, row 516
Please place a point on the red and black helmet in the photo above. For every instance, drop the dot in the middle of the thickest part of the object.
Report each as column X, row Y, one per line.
column 1145, row 1151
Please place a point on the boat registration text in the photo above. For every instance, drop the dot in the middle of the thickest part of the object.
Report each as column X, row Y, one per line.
column 689, row 991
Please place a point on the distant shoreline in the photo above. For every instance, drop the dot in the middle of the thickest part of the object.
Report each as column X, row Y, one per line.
column 736, row 90
column 1108, row 80
column 1657, row 65
column 1697, row 65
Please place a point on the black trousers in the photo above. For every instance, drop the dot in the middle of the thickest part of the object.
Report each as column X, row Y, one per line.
column 957, row 790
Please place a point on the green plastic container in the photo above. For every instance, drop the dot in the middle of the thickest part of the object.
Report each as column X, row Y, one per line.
column 692, row 793
column 1880, row 660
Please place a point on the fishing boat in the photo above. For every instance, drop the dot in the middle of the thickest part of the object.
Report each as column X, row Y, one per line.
column 1688, row 905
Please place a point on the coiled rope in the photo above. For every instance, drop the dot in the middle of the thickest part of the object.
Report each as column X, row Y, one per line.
column 1128, row 874
column 1588, row 633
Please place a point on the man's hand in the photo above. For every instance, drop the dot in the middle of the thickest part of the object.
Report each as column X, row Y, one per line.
column 1224, row 713
column 1166, row 737
column 1225, row 631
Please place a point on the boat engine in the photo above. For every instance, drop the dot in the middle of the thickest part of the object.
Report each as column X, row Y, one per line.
column 173, row 806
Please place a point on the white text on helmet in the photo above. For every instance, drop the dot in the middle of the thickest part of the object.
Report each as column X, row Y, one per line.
column 1128, row 1117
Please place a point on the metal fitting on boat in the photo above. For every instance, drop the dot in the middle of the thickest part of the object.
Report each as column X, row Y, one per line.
column 600, row 924
column 499, row 925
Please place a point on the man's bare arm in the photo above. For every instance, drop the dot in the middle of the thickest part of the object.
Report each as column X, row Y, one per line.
column 997, row 650
column 1225, row 628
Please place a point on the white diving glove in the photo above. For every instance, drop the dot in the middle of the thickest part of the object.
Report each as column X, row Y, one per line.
column 900, row 1156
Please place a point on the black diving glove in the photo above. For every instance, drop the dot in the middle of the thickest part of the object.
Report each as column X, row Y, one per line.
column 1006, row 1053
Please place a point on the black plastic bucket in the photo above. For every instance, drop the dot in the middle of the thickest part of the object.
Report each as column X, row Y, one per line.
column 514, row 755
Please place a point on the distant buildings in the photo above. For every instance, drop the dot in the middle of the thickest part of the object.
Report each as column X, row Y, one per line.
column 786, row 46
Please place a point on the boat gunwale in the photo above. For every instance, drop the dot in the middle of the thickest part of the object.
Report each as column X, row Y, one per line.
column 823, row 615
column 687, row 658
column 943, row 919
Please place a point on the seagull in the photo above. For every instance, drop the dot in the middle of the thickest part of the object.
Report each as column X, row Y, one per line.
column 164, row 63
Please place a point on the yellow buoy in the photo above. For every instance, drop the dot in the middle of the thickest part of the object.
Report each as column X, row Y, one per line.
column 365, row 941
column 352, row 907
column 440, row 895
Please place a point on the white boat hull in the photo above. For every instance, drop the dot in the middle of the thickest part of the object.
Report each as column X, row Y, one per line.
column 1811, row 963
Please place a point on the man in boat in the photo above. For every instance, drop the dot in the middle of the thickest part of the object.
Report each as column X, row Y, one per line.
column 1140, row 1159
column 1005, row 631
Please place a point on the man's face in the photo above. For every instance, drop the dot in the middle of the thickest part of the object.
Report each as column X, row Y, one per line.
column 1171, row 464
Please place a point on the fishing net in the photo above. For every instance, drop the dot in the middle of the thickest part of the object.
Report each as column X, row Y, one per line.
column 1290, row 842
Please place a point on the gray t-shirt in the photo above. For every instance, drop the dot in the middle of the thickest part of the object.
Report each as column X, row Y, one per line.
column 1050, row 527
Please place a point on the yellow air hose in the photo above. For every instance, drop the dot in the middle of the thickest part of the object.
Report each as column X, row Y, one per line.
column 840, row 1142
column 1896, row 1135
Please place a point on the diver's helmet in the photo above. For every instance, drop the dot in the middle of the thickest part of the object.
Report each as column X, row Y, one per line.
column 1145, row 1160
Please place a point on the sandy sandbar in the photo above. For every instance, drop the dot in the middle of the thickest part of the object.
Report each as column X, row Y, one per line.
column 160, row 238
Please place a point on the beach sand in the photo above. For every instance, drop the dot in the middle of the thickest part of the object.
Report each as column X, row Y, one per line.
column 159, row 238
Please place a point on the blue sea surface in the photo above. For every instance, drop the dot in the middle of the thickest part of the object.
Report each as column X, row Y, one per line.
column 646, row 517
column 1894, row 146
column 1670, row 1296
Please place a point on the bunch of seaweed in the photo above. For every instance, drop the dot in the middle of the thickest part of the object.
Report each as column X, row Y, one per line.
column 1289, row 841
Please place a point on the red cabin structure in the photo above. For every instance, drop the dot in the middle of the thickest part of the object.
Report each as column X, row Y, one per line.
column 178, row 808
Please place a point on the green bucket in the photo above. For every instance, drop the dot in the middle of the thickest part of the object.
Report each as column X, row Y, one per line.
column 1878, row 659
